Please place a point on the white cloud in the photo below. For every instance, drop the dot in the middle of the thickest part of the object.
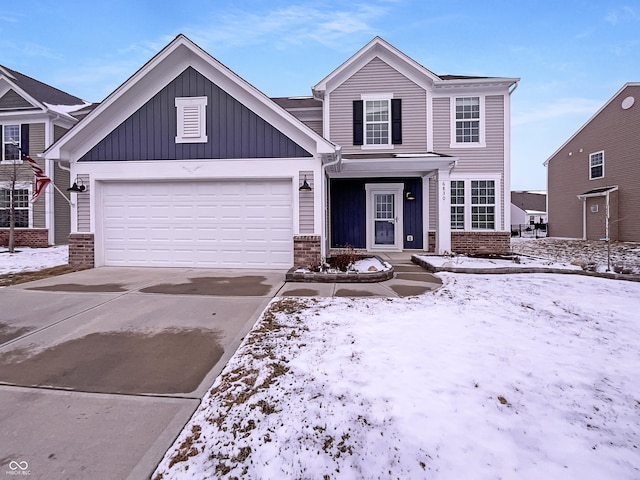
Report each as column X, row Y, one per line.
column 622, row 15
column 560, row 108
column 289, row 26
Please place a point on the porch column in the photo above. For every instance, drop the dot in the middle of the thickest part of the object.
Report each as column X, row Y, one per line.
column 443, row 223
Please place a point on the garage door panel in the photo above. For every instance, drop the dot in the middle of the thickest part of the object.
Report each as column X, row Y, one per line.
column 208, row 224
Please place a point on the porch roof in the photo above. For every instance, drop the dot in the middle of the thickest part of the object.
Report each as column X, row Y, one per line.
column 391, row 164
column 598, row 192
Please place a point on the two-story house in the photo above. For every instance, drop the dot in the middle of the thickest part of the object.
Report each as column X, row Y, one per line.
column 188, row 164
column 593, row 179
column 32, row 116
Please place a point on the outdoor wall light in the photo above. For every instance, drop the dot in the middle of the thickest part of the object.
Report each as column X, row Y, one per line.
column 410, row 196
column 305, row 187
column 77, row 188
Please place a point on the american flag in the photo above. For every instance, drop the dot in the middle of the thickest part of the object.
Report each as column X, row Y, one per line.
column 41, row 179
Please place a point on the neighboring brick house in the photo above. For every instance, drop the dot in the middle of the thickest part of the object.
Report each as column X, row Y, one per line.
column 33, row 115
column 187, row 164
column 593, row 179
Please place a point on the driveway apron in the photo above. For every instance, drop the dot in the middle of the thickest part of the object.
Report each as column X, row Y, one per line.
column 100, row 369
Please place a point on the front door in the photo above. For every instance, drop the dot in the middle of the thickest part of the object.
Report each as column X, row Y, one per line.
column 384, row 216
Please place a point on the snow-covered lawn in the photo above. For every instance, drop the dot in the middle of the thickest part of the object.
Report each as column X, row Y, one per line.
column 533, row 376
column 27, row 259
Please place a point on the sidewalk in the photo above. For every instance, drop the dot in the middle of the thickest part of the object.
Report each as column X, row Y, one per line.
column 408, row 280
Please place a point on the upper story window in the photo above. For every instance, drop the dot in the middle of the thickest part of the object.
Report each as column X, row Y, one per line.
column 377, row 121
column 596, row 165
column 467, row 122
column 10, row 143
column 192, row 119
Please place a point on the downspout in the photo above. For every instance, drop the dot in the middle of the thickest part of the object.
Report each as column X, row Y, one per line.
column 323, row 182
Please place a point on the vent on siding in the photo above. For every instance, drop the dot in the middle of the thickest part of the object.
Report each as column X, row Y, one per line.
column 191, row 122
column 594, row 208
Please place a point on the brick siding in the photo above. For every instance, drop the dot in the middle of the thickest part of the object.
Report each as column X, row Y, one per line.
column 306, row 250
column 81, row 249
column 26, row 237
column 471, row 243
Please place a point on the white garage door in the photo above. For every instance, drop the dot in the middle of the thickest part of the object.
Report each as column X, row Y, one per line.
column 224, row 224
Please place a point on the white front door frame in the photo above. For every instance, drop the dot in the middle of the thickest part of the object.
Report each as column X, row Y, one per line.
column 397, row 190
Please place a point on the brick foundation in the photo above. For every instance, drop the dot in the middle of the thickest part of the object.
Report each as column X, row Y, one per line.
column 81, row 249
column 488, row 243
column 26, row 237
column 306, row 250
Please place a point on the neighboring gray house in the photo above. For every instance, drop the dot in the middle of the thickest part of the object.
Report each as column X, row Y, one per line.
column 528, row 207
column 34, row 115
column 187, row 164
column 594, row 177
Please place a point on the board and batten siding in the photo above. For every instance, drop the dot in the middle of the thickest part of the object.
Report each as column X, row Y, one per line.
column 378, row 77
column 306, row 212
column 233, row 130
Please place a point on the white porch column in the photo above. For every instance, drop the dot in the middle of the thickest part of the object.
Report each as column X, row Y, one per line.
column 443, row 222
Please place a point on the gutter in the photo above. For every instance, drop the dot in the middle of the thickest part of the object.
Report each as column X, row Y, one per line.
column 323, row 199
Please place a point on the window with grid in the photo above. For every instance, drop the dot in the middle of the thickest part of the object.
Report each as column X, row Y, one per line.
column 468, row 120
column 483, row 204
column 21, row 207
column 457, row 204
column 10, row 143
column 377, row 118
column 596, row 165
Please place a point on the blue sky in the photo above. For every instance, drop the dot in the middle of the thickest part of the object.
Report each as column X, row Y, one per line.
column 572, row 56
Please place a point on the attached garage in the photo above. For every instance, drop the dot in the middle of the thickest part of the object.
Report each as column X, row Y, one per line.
column 221, row 224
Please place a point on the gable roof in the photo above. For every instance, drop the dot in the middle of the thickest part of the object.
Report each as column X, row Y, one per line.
column 172, row 60
column 616, row 95
column 529, row 201
column 38, row 90
column 404, row 64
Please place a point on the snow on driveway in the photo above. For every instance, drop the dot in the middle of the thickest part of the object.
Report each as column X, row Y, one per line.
column 497, row 376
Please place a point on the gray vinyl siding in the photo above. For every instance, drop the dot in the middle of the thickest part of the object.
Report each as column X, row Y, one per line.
column 487, row 160
column 614, row 131
column 12, row 101
column 306, row 204
column 36, row 146
column 62, row 210
column 315, row 125
column 233, row 130
column 379, row 77
column 83, row 201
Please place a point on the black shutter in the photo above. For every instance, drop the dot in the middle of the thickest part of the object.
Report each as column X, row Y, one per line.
column 2, row 142
column 396, row 121
column 358, row 107
column 24, row 139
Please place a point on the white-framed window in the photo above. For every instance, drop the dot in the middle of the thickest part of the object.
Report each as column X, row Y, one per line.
column 596, row 165
column 473, row 204
column 191, row 119
column 467, row 122
column 11, row 143
column 377, row 120
column 22, row 206
column 483, row 204
column 457, row 204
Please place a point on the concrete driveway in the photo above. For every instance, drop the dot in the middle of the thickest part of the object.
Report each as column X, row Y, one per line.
column 101, row 369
